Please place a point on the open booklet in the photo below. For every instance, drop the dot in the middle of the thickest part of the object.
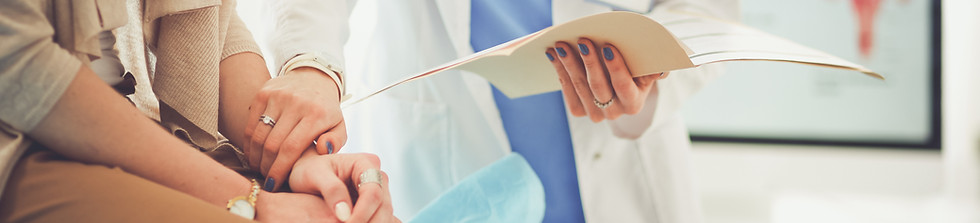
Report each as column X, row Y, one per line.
column 668, row 41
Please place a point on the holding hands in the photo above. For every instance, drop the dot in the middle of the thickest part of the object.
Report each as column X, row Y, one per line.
column 597, row 82
column 287, row 115
column 351, row 188
column 294, row 121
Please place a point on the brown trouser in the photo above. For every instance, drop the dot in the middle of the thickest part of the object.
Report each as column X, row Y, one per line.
column 47, row 187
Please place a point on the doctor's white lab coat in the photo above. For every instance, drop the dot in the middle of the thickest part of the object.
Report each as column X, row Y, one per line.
column 433, row 132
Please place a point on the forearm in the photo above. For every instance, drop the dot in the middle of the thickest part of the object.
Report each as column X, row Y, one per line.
column 241, row 77
column 92, row 123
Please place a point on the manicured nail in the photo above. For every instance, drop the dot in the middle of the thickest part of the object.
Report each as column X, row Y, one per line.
column 550, row 58
column 584, row 49
column 561, row 51
column 270, row 183
column 342, row 211
column 329, row 147
column 607, row 53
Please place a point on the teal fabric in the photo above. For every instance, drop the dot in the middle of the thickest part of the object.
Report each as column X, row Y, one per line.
column 506, row 191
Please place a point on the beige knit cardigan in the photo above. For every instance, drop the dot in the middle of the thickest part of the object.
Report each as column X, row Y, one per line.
column 187, row 40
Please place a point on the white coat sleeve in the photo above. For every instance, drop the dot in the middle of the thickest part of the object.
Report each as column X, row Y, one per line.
column 309, row 26
column 663, row 103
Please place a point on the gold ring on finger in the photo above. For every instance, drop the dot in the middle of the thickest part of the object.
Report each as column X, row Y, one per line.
column 602, row 105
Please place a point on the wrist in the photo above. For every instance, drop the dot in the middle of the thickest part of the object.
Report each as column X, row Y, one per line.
column 323, row 81
column 245, row 205
column 325, row 65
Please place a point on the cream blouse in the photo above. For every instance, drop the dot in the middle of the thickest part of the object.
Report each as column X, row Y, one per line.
column 45, row 42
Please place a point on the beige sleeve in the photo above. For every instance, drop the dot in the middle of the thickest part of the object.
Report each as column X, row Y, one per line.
column 238, row 39
column 34, row 71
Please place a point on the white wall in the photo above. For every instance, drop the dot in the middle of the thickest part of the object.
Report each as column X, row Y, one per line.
column 782, row 183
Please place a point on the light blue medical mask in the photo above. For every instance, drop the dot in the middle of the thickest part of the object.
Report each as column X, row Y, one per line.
column 506, row 191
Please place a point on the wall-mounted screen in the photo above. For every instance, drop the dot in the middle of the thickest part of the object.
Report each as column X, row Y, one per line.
column 791, row 103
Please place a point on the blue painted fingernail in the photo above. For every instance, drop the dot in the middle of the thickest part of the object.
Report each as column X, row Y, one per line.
column 607, row 53
column 550, row 58
column 270, row 183
column 329, row 147
column 561, row 51
column 584, row 49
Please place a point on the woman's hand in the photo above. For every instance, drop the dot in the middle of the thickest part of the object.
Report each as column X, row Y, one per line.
column 596, row 81
column 336, row 178
column 301, row 106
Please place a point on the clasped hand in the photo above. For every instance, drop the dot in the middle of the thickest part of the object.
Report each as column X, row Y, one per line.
column 325, row 191
column 297, row 109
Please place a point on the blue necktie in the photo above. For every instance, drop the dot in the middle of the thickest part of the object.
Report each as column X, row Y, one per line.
column 535, row 125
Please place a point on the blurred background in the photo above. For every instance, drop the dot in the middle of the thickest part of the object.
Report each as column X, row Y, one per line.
column 780, row 143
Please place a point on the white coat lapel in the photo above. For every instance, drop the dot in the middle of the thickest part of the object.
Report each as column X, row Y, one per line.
column 456, row 18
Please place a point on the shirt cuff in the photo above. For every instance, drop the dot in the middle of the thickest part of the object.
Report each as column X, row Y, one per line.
column 317, row 61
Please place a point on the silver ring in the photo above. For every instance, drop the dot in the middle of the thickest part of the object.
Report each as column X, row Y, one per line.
column 602, row 105
column 267, row 120
column 370, row 176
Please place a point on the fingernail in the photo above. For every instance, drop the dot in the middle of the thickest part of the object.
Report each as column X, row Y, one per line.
column 342, row 211
column 550, row 58
column 584, row 49
column 270, row 183
column 607, row 53
column 561, row 51
column 329, row 147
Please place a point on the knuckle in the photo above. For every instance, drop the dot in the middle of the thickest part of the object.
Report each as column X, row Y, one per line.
column 614, row 116
column 623, row 84
column 292, row 146
column 334, row 189
column 564, row 82
column 591, row 62
column 596, row 117
column 615, row 68
column 633, row 109
column 372, row 159
column 373, row 195
column 257, row 140
column 598, row 84
column 262, row 94
column 270, row 148
column 579, row 80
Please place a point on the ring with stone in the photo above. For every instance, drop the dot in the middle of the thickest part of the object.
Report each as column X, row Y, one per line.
column 602, row 105
column 267, row 120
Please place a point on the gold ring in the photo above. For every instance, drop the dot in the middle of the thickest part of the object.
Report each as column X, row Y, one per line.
column 602, row 105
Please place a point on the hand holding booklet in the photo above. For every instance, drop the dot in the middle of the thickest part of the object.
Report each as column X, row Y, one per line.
column 668, row 41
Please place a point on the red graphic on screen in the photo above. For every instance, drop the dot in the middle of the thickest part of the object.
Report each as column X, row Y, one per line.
column 866, row 10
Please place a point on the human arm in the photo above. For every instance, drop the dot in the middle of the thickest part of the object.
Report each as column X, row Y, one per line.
column 92, row 123
column 305, row 107
column 47, row 93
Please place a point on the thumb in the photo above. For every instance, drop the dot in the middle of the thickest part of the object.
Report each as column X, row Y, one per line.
column 331, row 188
